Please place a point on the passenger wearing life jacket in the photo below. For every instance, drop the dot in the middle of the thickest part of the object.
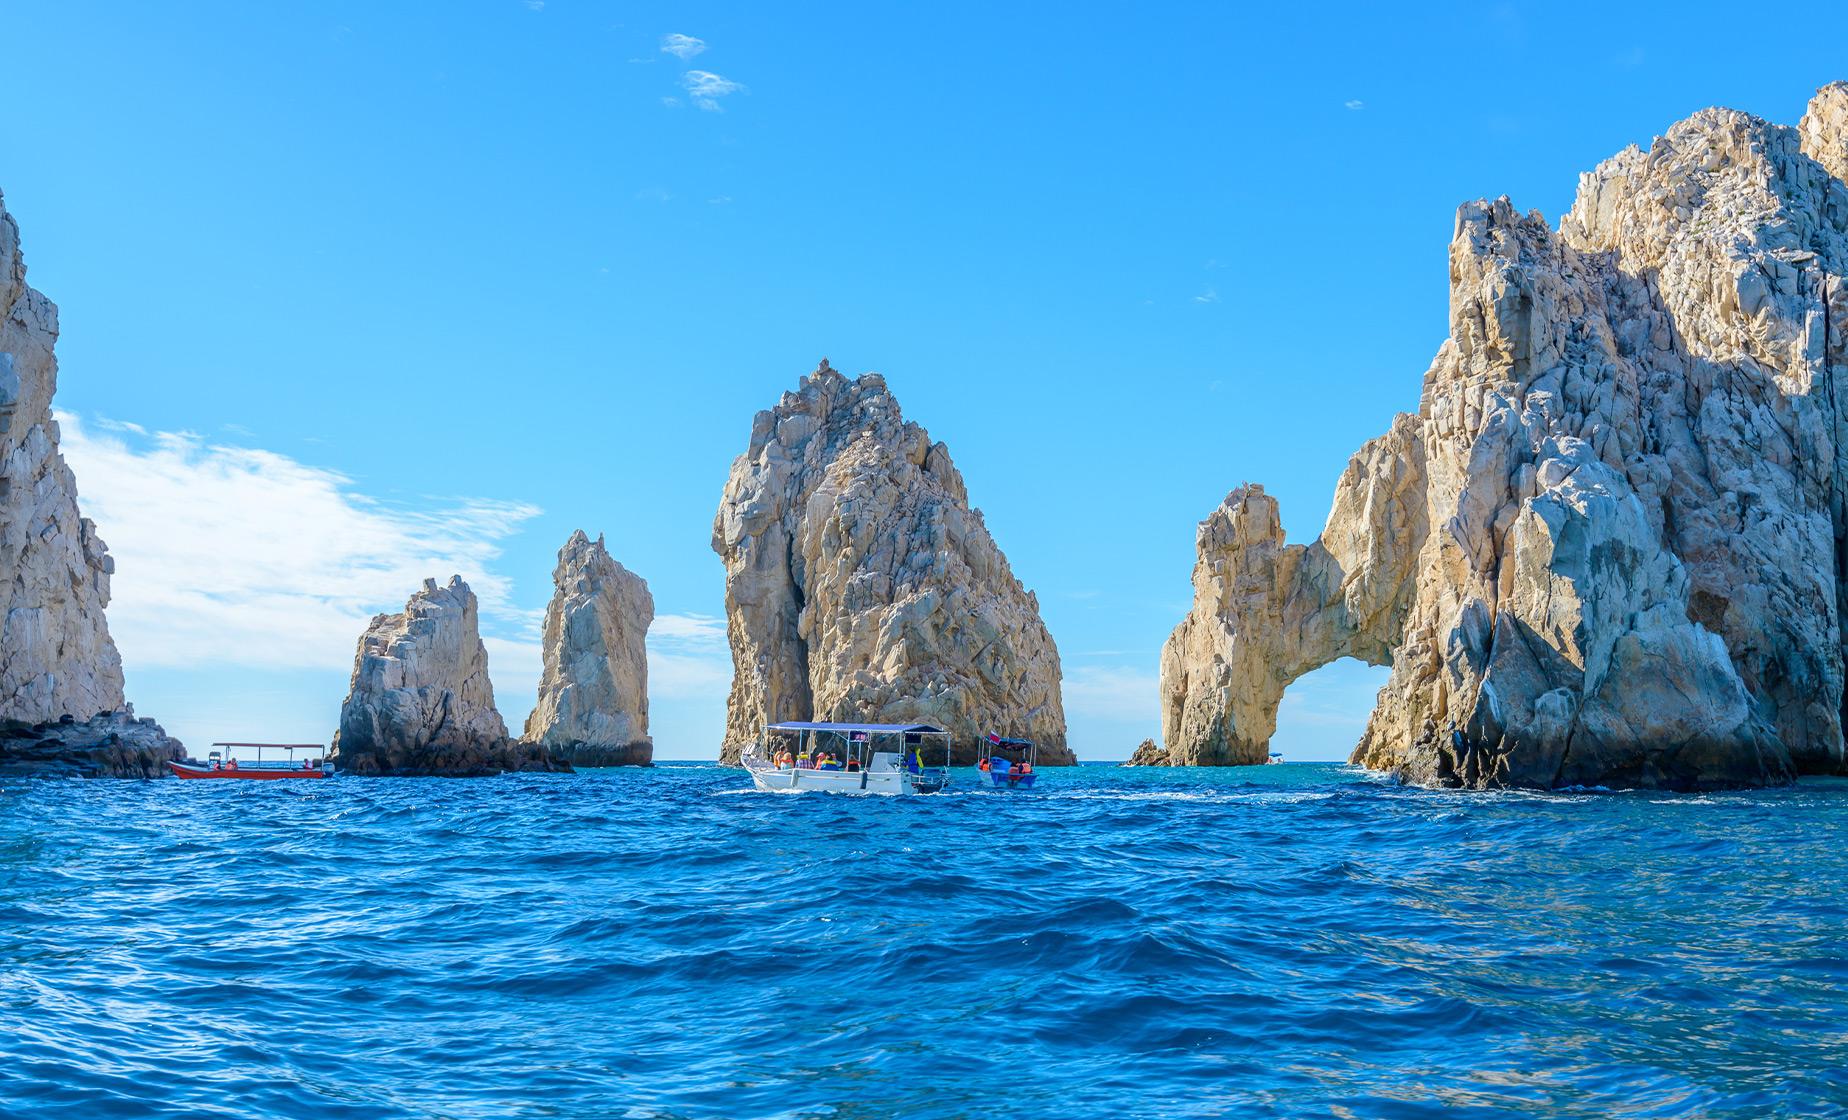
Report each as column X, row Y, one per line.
column 982, row 766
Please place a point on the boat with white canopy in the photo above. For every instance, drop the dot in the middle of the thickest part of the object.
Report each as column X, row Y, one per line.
column 878, row 758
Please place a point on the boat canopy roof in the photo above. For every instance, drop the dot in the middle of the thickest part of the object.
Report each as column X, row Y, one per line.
column 884, row 728
column 1010, row 742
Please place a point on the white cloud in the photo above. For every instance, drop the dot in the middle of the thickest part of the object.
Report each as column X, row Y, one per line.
column 681, row 46
column 1112, row 693
column 671, row 102
column 535, row 5
column 1211, row 295
column 689, row 657
column 1354, row 104
column 238, row 556
column 705, row 88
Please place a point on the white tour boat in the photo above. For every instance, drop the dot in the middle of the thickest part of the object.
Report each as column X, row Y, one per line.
column 881, row 758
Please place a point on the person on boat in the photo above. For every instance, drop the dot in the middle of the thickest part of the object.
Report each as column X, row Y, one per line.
column 853, row 764
column 982, row 765
column 785, row 760
column 1026, row 766
column 829, row 762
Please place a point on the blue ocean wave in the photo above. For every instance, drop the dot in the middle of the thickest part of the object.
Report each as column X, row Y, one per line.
column 1271, row 941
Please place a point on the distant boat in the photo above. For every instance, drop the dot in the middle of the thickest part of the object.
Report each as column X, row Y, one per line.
column 875, row 758
column 1003, row 772
column 1274, row 759
column 221, row 763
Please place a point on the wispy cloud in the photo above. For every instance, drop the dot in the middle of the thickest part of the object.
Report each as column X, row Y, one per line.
column 1113, row 693
column 232, row 555
column 1354, row 104
column 535, row 5
column 681, row 46
column 705, row 88
column 689, row 657
column 1211, row 295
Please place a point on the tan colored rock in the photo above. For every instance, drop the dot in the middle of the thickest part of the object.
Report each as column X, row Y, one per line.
column 1606, row 549
column 421, row 701
column 861, row 585
column 56, row 656
column 593, row 694
column 1149, row 753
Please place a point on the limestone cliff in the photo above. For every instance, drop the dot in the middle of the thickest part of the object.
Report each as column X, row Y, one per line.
column 56, row 657
column 420, row 700
column 1608, row 548
column 593, row 694
column 860, row 584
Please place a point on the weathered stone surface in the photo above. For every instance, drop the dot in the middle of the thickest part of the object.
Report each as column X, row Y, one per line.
column 1149, row 753
column 56, row 656
column 593, row 694
column 110, row 744
column 860, row 585
column 1608, row 548
column 420, row 700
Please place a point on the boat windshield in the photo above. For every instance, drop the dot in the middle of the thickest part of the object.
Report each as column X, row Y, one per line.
column 854, row 747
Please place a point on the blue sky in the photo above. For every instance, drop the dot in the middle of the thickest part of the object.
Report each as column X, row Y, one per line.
column 356, row 293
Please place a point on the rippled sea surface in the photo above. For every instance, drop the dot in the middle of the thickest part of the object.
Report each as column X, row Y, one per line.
column 1293, row 940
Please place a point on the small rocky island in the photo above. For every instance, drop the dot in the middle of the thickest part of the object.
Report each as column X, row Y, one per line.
column 861, row 585
column 593, row 695
column 421, row 702
column 61, row 705
column 1608, row 548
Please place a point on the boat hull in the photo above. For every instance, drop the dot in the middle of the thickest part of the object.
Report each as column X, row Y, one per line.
column 244, row 774
column 878, row 783
column 1010, row 781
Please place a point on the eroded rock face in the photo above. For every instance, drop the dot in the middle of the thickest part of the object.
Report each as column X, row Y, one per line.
column 111, row 744
column 56, row 657
column 860, row 585
column 1608, row 548
column 593, row 694
column 1149, row 753
column 420, row 700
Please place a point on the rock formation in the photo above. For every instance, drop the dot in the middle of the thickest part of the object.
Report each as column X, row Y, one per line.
column 1609, row 547
column 421, row 701
column 859, row 583
column 1149, row 753
column 56, row 657
column 593, row 695
column 110, row 744
column 61, row 705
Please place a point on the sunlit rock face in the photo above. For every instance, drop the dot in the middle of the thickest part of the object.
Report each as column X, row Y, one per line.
column 1608, row 548
column 56, row 657
column 420, row 700
column 861, row 585
column 593, row 694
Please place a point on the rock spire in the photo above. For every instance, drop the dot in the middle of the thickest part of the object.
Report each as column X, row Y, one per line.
column 593, row 695
column 861, row 585
column 420, row 700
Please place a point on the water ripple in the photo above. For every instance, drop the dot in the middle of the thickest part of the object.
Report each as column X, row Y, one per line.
column 1277, row 941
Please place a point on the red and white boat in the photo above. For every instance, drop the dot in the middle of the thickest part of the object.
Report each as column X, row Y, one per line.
column 223, row 764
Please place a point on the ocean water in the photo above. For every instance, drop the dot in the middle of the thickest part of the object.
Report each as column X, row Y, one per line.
column 1296, row 940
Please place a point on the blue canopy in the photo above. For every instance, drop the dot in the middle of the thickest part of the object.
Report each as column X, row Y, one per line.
column 883, row 728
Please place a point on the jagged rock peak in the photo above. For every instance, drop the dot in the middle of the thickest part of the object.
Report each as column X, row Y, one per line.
column 593, row 694
column 1824, row 129
column 56, row 656
column 1605, row 550
column 421, row 701
column 861, row 585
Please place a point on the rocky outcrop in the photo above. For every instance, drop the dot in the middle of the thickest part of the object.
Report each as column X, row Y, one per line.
column 1149, row 753
column 420, row 700
column 111, row 744
column 860, row 585
column 1609, row 547
column 56, row 657
column 593, row 694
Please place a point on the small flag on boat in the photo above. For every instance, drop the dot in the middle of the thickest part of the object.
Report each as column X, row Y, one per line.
column 993, row 739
